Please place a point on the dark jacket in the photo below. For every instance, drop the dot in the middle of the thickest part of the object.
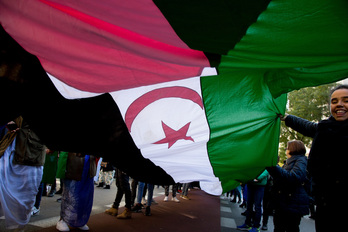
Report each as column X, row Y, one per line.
column 75, row 166
column 29, row 148
column 289, row 185
column 106, row 166
column 328, row 157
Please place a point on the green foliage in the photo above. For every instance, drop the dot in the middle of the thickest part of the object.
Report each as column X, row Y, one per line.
column 310, row 103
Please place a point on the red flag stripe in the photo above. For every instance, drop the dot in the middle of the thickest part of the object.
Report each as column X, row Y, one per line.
column 101, row 47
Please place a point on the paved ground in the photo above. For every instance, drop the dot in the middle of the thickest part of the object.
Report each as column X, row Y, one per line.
column 201, row 213
column 192, row 215
column 204, row 213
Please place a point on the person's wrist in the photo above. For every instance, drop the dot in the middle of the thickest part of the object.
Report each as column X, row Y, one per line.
column 283, row 117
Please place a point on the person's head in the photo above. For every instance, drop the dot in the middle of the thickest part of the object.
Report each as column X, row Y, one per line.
column 295, row 147
column 339, row 102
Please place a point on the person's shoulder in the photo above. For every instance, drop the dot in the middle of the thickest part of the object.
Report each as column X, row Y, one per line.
column 327, row 120
column 331, row 121
column 302, row 158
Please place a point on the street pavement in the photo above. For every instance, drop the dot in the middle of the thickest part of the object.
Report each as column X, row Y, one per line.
column 204, row 213
column 201, row 213
column 50, row 208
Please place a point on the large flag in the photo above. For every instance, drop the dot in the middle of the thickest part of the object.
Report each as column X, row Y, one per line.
column 198, row 84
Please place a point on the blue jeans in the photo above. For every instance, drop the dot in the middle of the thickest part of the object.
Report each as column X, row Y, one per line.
column 149, row 190
column 255, row 197
column 39, row 195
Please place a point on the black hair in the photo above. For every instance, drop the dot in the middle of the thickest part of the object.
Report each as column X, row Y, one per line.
column 338, row 87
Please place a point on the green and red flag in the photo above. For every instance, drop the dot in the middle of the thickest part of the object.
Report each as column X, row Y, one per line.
column 199, row 84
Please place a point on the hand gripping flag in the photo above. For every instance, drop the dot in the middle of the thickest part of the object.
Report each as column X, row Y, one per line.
column 174, row 116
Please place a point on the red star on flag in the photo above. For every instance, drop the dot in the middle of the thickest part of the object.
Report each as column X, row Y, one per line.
column 171, row 135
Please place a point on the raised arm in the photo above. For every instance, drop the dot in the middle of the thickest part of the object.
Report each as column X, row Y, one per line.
column 305, row 127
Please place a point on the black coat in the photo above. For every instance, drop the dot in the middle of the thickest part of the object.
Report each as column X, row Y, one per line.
column 289, row 186
column 328, row 157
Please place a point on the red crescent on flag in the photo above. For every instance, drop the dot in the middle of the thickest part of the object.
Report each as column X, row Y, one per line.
column 167, row 92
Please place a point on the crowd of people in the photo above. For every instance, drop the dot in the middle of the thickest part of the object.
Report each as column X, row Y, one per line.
column 282, row 192
column 287, row 192
column 77, row 173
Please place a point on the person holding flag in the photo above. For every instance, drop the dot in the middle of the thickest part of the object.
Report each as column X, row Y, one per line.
column 22, row 156
column 328, row 160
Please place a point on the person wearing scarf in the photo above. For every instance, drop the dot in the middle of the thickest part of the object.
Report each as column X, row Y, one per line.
column 22, row 156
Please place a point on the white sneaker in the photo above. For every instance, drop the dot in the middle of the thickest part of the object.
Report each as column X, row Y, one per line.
column 62, row 226
column 165, row 199
column 35, row 211
column 85, row 227
column 175, row 199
